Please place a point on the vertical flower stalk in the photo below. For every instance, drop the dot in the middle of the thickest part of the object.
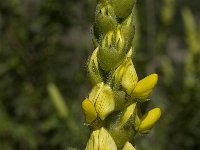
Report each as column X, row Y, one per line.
column 112, row 108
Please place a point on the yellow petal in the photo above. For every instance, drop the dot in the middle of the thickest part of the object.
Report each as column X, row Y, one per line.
column 149, row 119
column 101, row 140
column 96, row 90
column 93, row 142
column 126, row 75
column 105, row 104
column 128, row 146
column 145, row 86
column 118, row 74
column 127, row 114
column 129, row 79
column 89, row 110
column 102, row 98
column 130, row 53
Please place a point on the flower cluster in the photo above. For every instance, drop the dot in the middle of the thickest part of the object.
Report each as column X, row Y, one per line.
column 112, row 108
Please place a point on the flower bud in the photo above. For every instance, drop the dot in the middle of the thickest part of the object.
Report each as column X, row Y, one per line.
column 105, row 19
column 137, row 119
column 129, row 79
column 128, row 30
column 119, row 97
column 93, row 69
column 89, row 110
column 102, row 98
column 122, row 8
column 149, row 119
column 103, row 1
column 128, row 146
column 145, row 86
column 111, row 51
column 120, row 125
column 126, row 75
column 130, row 110
column 101, row 140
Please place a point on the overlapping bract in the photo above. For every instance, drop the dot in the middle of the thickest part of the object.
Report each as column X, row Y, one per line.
column 112, row 108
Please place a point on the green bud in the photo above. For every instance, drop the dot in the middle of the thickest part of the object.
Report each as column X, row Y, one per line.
column 137, row 119
column 121, row 135
column 130, row 110
column 122, row 8
column 105, row 20
column 119, row 97
column 128, row 30
column 111, row 50
column 93, row 69
column 120, row 125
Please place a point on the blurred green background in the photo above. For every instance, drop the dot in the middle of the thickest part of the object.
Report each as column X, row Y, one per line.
column 44, row 46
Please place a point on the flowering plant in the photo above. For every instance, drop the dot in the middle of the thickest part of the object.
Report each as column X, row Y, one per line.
column 112, row 108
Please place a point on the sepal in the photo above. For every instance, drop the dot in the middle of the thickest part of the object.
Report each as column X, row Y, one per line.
column 93, row 69
column 123, row 8
column 120, row 125
column 105, row 19
column 128, row 30
column 112, row 50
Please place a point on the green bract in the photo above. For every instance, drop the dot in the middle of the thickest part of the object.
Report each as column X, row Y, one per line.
column 111, row 50
column 94, row 72
column 123, row 8
column 105, row 19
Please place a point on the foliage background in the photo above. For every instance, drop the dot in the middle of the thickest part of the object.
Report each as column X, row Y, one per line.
column 47, row 42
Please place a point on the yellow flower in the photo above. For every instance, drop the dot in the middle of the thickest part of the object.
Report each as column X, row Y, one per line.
column 100, row 102
column 89, row 110
column 101, row 140
column 126, row 75
column 145, row 86
column 149, row 119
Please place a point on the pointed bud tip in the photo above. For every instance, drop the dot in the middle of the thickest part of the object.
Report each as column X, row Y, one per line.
column 128, row 146
column 149, row 119
column 145, row 86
